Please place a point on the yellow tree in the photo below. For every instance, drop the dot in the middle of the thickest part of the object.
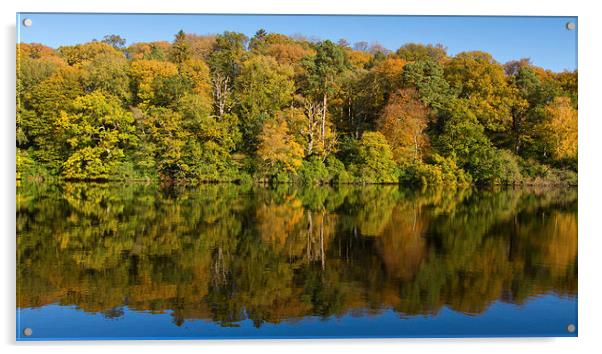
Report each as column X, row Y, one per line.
column 197, row 71
column 479, row 79
column 283, row 48
column 559, row 130
column 373, row 89
column 81, row 53
column 145, row 72
column 148, row 50
column 278, row 151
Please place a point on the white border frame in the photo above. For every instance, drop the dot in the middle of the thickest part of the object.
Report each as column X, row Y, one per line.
column 590, row 143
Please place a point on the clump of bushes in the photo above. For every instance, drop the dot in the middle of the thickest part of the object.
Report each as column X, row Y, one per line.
column 438, row 170
column 29, row 169
column 374, row 160
column 536, row 173
column 317, row 171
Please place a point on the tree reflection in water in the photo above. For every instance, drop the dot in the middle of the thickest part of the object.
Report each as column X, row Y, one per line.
column 226, row 253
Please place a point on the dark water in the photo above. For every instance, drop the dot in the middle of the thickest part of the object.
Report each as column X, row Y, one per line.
column 227, row 261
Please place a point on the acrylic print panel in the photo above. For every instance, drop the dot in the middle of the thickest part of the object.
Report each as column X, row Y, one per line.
column 233, row 176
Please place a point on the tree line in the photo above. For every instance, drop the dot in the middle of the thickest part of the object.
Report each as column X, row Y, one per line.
column 276, row 108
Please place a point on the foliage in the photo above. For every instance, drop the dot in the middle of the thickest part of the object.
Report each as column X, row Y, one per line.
column 403, row 123
column 428, row 78
column 227, row 253
column 96, row 132
column 558, row 133
column 277, row 151
column 290, row 109
column 374, row 161
column 438, row 171
column 481, row 81
column 419, row 52
column 263, row 88
column 148, row 78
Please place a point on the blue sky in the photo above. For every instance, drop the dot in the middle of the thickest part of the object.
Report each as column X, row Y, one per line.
column 545, row 40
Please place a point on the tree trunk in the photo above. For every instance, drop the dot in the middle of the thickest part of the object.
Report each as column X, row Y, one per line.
column 324, row 109
column 221, row 93
column 415, row 147
column 310, row 142
column 322, row 241
column 310, row 227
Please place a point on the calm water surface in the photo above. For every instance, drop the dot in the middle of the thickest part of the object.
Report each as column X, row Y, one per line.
column 226, row 261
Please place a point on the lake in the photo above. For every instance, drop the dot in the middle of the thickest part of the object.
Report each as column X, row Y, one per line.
column 136, row 261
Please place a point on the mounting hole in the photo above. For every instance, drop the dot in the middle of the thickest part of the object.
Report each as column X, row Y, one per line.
column 28, row 331
column 571, row 328
column 27, row 22
column 570, row 26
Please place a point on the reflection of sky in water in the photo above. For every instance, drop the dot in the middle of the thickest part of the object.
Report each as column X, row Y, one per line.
column 541, row 316
column 276, row 258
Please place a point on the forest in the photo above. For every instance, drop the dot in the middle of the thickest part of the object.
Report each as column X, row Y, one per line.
column 288, row 109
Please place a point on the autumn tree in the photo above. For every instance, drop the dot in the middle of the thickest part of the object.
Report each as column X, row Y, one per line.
column 35, row 63
column 568, row 82
column 481, row 81
column 372, row 89
column 77, row 54
column 263, row 88
column 403, row 123
column 199, row 46
column 39, row 120
column 558, row 133
column 148, row 76
column 179, row 51
column 284, row 49
column 197, row 74
column 278, row 151
column 96, row 132
column 211, row 141
column 114, row 41
column 225, row 60
column 291, row 108
column 375, row 159
column 414, row 52
column 109, row 73
column 148, row 50
column 323, row 71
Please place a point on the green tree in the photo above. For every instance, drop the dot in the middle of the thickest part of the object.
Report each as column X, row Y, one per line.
column 179, row 51
column 114, row 40
column 323, row 72
column 481, row 81
column 97, row 132
column 374, row 161
column 528, row 87
column 225, row 60
column 263, row 88
column 109, row 73
column 39, row 120
column 427, row 76
column 415, row 52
